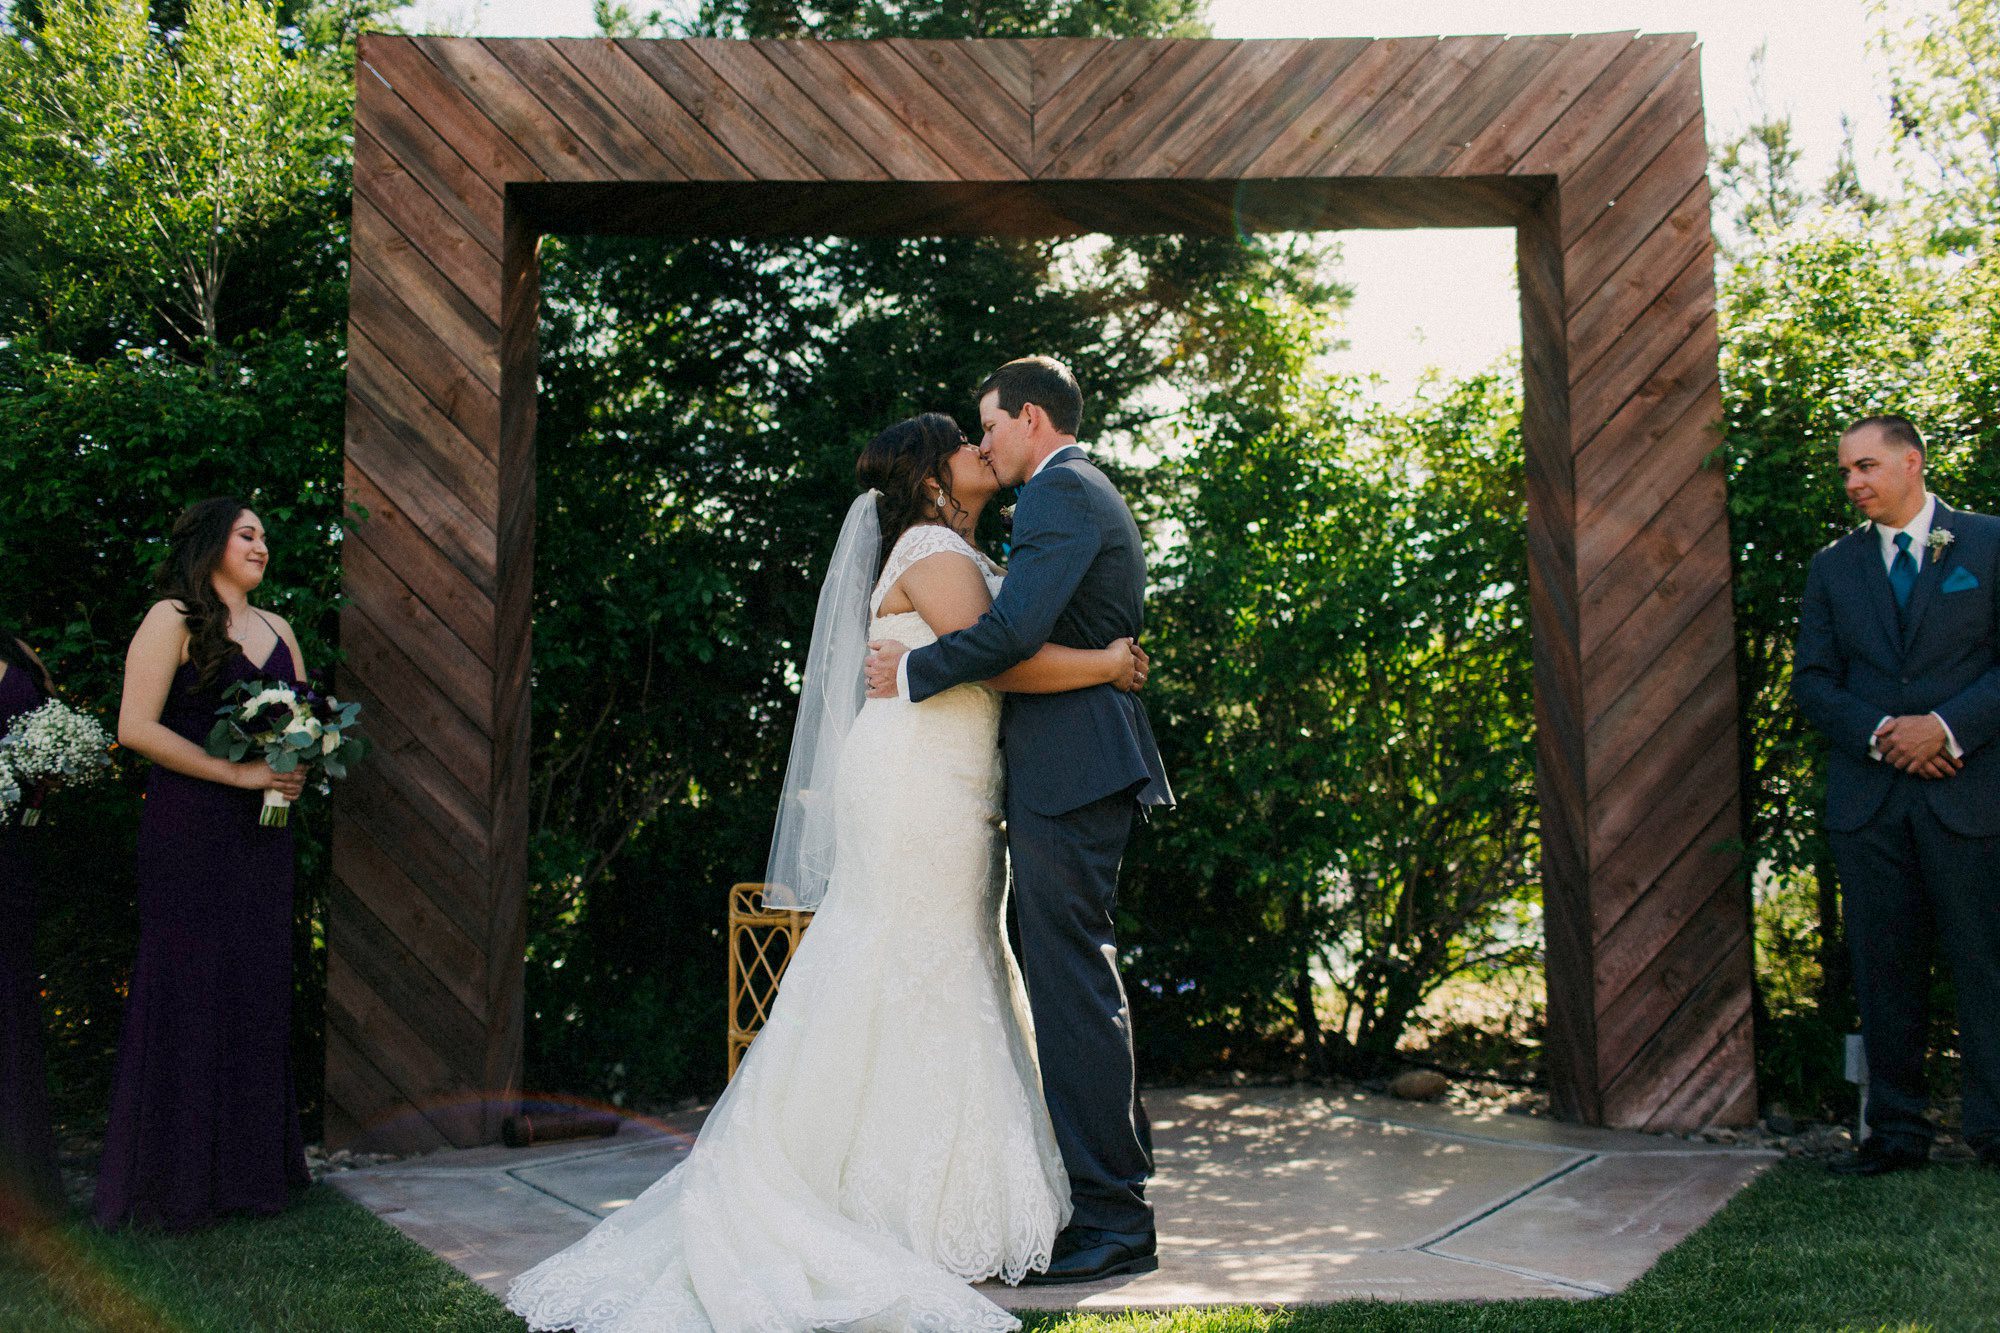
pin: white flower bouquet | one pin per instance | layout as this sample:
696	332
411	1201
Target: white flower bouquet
10	787
290	727
53	743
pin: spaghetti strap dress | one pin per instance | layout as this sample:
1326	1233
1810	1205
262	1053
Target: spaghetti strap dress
204	1120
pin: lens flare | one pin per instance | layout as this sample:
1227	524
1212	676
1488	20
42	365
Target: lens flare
74	1277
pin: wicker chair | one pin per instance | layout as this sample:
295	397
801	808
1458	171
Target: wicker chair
761	942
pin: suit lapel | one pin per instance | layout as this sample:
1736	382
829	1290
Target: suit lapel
1875	579
1928	578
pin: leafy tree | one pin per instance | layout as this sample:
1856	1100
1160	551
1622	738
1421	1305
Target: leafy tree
1346	700
1945	101
153	155
127	392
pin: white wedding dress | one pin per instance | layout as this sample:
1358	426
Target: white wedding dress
884	1141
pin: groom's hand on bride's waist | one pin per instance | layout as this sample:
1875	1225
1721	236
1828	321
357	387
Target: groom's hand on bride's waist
883	654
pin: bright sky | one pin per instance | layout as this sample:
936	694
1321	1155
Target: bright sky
1447	298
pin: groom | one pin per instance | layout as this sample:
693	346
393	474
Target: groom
1898	665
1078	766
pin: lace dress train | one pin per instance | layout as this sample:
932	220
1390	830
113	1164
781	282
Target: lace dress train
884	1141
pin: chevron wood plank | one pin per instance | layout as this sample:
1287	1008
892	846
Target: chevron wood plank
514	109
590	117
1448	66
454	117
761	150
968	150
1303	78
620	80
748	69
961	80
1434	147
1170	99
858	109
1052	63
452	182
1088	94
1501	143
451	316
1357	85
1633	76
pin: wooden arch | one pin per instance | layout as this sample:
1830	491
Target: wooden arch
1592	148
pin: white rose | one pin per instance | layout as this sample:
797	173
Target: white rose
329	741
265	697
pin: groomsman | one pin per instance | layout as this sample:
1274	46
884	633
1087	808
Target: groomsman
1898	664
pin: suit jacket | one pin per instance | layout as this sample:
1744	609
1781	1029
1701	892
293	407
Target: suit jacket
1077	577
1854	663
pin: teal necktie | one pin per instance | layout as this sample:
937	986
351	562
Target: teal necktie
1903	571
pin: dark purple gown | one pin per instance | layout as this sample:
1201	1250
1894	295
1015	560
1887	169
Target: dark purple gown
203	1117
28	1172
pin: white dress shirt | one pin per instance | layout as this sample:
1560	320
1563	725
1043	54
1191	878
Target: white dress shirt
903	662
1919	529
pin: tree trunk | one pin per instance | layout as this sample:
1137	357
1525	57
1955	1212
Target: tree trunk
1399	1001
1317	1063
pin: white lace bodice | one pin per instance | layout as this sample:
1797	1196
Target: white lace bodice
917	542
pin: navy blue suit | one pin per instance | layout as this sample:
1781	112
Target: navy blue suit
1916	856
1078	765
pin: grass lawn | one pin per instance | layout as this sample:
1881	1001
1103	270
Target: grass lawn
1797	1250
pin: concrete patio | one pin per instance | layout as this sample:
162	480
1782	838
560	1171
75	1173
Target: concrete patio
1265	1197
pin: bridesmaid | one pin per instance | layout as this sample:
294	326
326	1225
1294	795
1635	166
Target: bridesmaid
203	1116
30	1184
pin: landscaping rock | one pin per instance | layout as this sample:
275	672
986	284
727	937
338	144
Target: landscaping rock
1418	1085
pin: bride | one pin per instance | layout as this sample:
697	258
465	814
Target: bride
884	1141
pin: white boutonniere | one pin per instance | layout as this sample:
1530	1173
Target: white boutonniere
1938	540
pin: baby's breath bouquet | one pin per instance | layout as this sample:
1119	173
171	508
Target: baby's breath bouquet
290	727
54	743
10	787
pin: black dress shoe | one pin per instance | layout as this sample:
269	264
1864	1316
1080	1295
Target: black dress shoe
1086	1256
1876	1159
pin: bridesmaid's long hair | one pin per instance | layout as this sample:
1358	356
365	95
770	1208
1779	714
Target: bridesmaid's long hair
14	652
194	549
898	462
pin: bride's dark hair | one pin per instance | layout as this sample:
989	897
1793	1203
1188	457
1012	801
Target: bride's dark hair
898	462
194	549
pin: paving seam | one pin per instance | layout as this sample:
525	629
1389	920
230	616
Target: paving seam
603	1150
573	1207
1586	1288
1507	1202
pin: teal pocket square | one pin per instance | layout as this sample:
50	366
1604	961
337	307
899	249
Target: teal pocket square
1960	580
